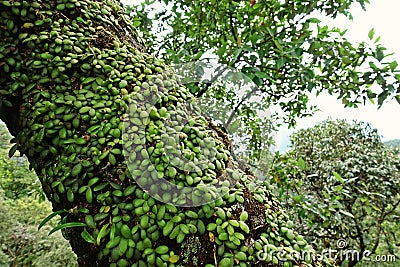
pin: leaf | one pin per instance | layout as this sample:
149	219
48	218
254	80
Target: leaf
136	23
66	225
112	232
88	80
236	54
40	136
88	237
371	33
298	198
51	216
262	75
278	45
28	25
100	235
338	188
393	65
76	170
314	20
257	81
254	38
379	54
6	103
338	177
4	92
84	210
174	259
346	213
373	66
280	62
382	97
397	98
368	209
12	150
301	163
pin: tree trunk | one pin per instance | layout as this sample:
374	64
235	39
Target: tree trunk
98	120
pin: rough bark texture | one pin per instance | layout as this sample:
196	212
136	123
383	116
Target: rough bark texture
76	84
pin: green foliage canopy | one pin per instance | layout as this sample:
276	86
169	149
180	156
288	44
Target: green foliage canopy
279	45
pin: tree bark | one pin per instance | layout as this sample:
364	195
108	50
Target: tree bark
70	73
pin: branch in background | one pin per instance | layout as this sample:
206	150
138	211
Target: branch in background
392	209
234	112
213	79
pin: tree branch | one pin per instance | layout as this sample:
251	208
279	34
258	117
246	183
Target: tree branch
213	79
234	112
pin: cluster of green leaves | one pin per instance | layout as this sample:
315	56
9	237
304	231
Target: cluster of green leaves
116	142
341	181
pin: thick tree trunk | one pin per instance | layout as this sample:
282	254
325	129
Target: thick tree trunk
75	86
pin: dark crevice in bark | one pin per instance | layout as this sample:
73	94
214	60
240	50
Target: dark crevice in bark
10	115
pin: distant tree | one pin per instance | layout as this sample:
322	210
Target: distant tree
21	243
394	143
4	138
342	182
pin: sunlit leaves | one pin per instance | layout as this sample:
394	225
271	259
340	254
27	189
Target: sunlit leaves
338	177
371	34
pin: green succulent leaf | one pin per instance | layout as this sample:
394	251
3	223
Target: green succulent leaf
66	225
51	216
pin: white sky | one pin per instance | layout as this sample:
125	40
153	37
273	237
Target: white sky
382	15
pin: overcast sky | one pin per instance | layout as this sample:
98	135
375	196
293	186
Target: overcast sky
382	15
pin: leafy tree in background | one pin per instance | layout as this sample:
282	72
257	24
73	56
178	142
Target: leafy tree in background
278	45
342	182
394	143
4	138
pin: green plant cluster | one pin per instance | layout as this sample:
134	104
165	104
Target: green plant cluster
85	89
